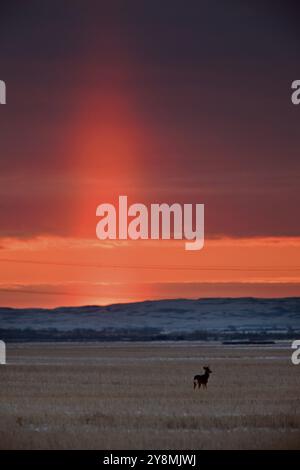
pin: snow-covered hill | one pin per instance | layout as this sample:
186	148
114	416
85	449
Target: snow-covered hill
162	319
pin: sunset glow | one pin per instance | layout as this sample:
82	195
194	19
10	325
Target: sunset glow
52	271
118	111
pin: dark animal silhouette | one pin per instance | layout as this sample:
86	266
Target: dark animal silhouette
202	379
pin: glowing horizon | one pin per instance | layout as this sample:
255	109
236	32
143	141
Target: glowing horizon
114	110
74	271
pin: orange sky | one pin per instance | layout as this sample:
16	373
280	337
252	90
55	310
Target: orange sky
52	271
135	102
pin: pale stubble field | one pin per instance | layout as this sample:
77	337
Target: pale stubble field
140	396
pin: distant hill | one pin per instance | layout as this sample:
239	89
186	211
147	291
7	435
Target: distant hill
179	319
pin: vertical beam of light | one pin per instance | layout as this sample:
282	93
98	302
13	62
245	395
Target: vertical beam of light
106	141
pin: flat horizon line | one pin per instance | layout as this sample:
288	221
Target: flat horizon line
197	299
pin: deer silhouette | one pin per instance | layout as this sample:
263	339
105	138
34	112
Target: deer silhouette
202	379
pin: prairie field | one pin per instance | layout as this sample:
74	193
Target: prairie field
140	396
